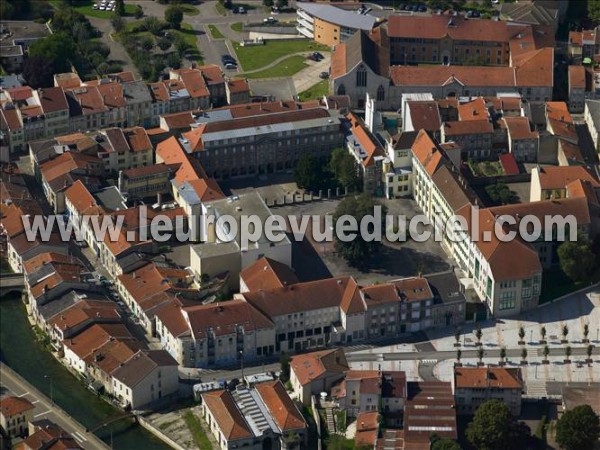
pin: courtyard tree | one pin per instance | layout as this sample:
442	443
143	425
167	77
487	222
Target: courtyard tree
568	351
521	335
524	355
578	429
576	259
480	355
355	246
284	361
586	332
546	352
343	167
565	332
439	443
174	16
120	8
589	350
478	334
503	354
543	334
491	426
458	355
457	334
309	174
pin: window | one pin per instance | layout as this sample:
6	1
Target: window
361	77
380	94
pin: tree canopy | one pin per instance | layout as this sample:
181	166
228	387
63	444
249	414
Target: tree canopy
358	251
343	167
490	428
576	259
439	443
174	16
578	429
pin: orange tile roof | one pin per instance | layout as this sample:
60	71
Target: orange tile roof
407	289
10	406
267	273
95	336
367	429
143	283
65	163
483	126
195	84
558	111
426	151
338	61
227	415
311	366
81	199
558	177
138	139
577	77
425	115
62	273
83	311
212	74
112	95
583	188
90	99
519	128
473	110
362	135
238	85
12	220
280	405
42	259
444	75
488	377
535	68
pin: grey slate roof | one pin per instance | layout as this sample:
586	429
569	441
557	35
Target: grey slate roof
338	16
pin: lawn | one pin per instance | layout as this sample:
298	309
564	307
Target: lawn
285	68
221	9
257	56
215	33
317	91
189	35
85	8
193	423
189	10
555	284
238	26
486	168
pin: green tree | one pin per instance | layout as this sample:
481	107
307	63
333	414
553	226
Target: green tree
576	259
356	250
38	71
503	353
281	4
343	167
120	8
284	361
500	193
58	48
138	12
491	426
174	16
439	443
578	429
310	174
118	23
163	43
593	10
268	3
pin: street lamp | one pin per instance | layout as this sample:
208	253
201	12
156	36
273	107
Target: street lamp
242	363
530	335
47	377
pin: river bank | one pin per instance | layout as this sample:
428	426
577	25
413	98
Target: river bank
20	350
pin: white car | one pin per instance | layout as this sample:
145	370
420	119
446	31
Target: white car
95	6
102	8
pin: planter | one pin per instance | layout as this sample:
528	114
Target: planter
543	342
457	344
589	361
478	344
567	361
545	361
501	363
585	341
523	363
521	342
480	364
457	364
564	341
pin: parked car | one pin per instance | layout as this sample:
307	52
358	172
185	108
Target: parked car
270	19
422	8
227	58
230	66
242	10
316	56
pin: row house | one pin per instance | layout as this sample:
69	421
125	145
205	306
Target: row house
397	173
577	88
127	148
584	44
550	182
147	181
523	143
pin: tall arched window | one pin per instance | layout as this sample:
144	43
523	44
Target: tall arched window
341	90
361	77
380	94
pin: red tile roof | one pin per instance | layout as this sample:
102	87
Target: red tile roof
267	273
425	115
81	199
227	415
558	177
489	377
364	138
509	164
311	366
577	77
11	406
53	99
427	153
483	126
283	410
519	128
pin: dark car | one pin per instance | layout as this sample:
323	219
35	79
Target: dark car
476	14
317	56
228	59
324	75
422	8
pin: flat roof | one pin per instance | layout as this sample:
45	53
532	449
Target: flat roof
339	16
24	29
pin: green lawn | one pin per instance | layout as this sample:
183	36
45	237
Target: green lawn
317	91
189	10
257	56
285	68
221	9
238	26
486	168
85	8
193	423
215	33
190	37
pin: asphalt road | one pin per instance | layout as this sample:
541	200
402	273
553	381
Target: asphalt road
46	409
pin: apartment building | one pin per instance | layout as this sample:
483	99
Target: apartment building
144	182
583	44
126	148
550	182
476	385
266	273
15	415
577	88
263	144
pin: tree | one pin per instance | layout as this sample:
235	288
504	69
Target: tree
578	429
543	333
576	259
38	71
491	426
478	334
500	194
174	16
586	331
163	43
568	351
565	332
524	354
589	350
118	23
284	360
439	443
58	48
268	3
147	43
308	173
593	10
457	335
480	354
503	353
120	8
458	354
343	167
281	4
546	351
353	246
138	13
521	334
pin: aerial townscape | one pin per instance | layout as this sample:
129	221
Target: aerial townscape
300	225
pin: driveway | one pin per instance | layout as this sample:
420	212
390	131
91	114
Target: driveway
309	76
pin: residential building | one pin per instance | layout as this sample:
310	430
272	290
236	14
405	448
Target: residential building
145	182
577	89
531	13
15	415
44	435
18	36
316	372
523	143
367	430
147	377
476	385
583	44
592	119
266	273
237	91
126	148
331	25
550	182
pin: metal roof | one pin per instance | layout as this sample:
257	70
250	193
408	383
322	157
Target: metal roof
339	16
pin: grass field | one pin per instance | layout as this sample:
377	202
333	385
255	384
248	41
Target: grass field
193	423
255	57
214	32
317	91
190	37
221	9
87	10
285	68
238	26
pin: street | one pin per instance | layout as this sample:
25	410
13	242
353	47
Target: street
46	409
